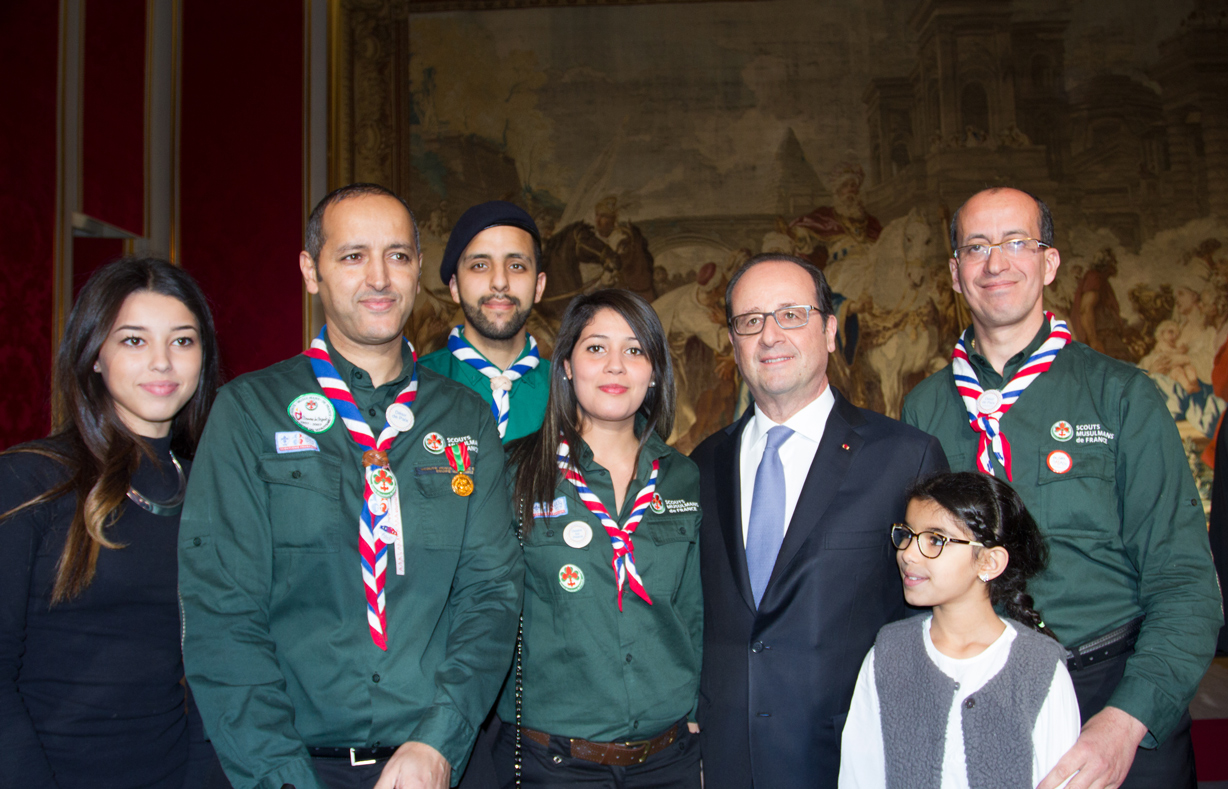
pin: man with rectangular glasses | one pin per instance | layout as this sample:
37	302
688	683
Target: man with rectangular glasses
1089	445
798	574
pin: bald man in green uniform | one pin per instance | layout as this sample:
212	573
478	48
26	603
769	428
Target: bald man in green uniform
492	265
349	577
1091	449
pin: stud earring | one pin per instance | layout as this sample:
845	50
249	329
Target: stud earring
651	384
97	368
984	577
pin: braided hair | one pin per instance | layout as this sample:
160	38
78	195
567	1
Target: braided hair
995	515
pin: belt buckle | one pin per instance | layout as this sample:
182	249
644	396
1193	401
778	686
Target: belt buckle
642	745
359	763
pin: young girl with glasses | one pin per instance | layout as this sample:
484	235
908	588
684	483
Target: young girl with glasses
962	697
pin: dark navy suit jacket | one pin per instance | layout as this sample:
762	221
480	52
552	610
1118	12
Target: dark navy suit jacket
777	681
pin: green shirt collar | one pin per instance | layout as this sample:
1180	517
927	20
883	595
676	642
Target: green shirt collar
359	380
986	374
654	448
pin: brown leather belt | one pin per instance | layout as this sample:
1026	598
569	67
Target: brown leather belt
614	754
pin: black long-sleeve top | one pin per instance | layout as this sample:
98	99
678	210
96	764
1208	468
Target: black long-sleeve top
90	691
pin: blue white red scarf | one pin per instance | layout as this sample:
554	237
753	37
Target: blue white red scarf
987	407
373	537
620	536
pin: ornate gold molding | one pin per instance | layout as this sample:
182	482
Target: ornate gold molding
370	109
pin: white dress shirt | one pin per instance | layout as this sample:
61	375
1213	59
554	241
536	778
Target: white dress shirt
862	760
797	453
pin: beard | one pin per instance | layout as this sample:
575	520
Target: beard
488	328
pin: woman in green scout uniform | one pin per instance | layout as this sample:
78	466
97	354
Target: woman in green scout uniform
608	516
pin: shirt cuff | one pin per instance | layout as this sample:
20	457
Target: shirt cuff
1149	705
445	730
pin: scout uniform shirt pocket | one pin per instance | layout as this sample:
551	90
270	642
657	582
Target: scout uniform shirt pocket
304	501
563	577
663	563
1077	486
434	507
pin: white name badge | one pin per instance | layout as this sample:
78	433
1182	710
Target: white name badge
294	441
989	401
577	534
400	416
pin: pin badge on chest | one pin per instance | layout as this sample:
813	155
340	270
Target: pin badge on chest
577	534
989	401
400	416
382	481
313	412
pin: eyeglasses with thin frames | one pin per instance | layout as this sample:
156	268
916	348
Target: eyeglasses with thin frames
930	543
1013	248
794	317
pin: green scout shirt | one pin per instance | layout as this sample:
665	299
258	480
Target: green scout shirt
591	671
1124	523
529	392
276	643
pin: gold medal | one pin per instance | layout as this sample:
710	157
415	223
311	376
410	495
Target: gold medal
462	485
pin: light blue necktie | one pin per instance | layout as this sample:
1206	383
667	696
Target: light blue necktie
766	529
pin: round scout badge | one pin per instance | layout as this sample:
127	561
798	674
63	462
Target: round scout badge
1061	430
382	482
1059	462
571	578
458	457
989	401
577	534
658	506
313	412
400	416
434	443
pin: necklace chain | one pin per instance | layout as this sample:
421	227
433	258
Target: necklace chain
172	506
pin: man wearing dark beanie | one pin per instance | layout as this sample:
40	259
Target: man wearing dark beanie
492	265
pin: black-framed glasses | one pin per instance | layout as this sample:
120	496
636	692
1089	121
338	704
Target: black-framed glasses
930	543
794	317
1013	248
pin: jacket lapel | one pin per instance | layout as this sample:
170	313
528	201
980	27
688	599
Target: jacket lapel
726	459
827	471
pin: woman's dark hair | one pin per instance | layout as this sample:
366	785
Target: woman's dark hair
995	515
100	452
536	456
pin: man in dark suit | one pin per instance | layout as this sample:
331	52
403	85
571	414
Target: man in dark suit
798	498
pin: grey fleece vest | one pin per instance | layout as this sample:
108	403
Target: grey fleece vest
915	697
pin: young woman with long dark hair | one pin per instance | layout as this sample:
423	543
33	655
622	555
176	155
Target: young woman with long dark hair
608	515
91	676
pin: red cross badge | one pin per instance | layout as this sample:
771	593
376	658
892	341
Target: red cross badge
571	578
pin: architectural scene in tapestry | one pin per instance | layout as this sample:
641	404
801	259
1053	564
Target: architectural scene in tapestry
659	145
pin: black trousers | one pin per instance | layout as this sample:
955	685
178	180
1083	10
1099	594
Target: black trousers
340	774
1172	764
676	767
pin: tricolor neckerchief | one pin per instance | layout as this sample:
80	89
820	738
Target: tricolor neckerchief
986	409
372	545
620	536
500	380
